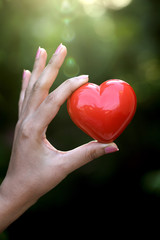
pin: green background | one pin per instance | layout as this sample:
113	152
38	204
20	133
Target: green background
106	39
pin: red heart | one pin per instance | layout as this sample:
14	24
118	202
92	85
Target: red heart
103	112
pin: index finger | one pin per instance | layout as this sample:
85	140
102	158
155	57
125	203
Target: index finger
51	105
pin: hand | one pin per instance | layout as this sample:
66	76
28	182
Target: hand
36	166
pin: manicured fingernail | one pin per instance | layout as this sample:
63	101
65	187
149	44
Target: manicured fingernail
24	74
58	49
83	76
111	148
38	53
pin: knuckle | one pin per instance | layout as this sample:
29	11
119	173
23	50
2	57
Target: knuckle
51	61
54	63
91	155
27	128
37	86
52	98
18	126
70	83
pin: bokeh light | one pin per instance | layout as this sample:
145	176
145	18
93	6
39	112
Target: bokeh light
88	2
116	4
111	4
66	6
71	67
68	34
94	10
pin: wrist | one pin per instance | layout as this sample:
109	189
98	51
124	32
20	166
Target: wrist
13	202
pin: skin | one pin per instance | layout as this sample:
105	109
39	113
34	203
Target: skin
35	166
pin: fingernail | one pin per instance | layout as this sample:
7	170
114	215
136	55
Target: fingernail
38	53
111	148
24	74
83	76
58	49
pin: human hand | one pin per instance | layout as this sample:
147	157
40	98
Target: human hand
36	166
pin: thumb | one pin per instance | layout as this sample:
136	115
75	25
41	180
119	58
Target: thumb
86	153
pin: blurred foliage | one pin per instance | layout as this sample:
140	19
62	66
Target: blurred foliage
105	39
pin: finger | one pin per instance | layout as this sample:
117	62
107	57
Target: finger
25	81
39	65
86	153
41	87
51	105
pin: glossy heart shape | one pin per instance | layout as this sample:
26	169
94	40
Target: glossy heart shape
103	112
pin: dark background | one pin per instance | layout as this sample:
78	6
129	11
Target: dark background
105	39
